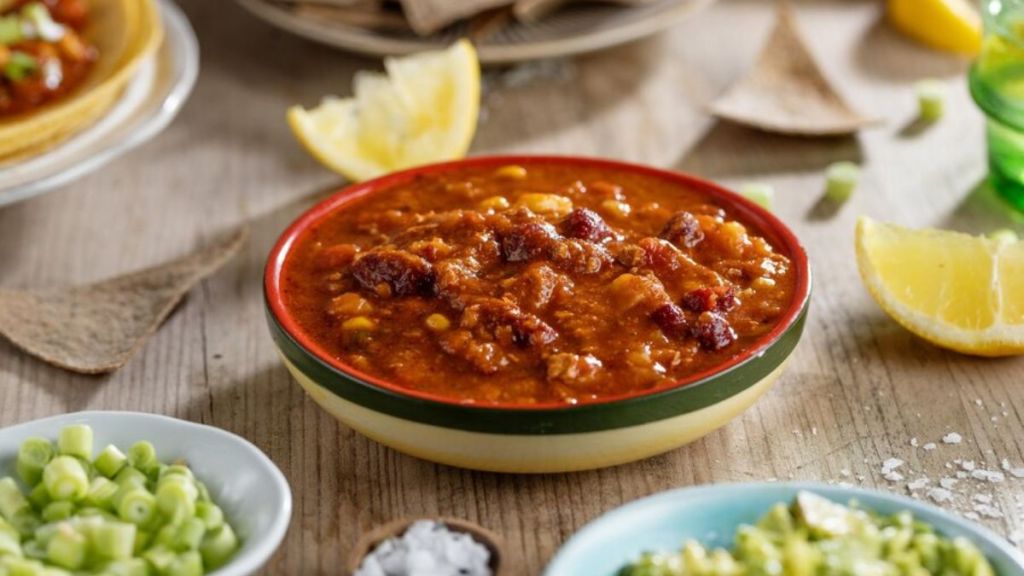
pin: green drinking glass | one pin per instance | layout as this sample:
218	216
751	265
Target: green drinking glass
997	85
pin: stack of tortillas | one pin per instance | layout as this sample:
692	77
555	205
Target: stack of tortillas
426	17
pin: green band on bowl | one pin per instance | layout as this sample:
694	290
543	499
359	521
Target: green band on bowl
568	420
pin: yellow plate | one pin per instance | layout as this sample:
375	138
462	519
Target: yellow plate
125	32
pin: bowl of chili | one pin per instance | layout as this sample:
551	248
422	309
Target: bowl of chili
536	313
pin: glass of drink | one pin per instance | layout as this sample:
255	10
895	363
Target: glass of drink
997	85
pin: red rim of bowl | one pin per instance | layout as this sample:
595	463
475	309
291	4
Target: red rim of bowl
780	236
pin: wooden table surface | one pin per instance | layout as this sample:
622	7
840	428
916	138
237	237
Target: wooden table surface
859	388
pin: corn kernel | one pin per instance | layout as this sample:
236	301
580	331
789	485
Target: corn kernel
438	322
545	203
350	304
494	203
761	283
512	172
616	208
358	323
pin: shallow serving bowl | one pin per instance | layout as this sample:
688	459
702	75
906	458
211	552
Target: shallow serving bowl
540	438
252	491
711	515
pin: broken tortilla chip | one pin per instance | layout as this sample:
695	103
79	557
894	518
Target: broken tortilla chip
787	92
96	328
428	16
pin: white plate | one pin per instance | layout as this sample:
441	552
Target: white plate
249	488
574	29
150	101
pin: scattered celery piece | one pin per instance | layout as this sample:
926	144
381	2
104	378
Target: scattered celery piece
841	180
760	193
110	461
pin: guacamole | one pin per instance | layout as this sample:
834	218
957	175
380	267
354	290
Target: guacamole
817	537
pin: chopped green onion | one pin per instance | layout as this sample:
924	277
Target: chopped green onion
113	540
20	66
131	567
101	493
760	193
33	455
10	540
12	501
189	535
177	470
210	514
67	548
75	440
59	510
66	479
137	506
841	179
187	564
39	496
23	567
160	557
1004	235
11	30
142	455
110	461
176	497
218	546
931	99
129	477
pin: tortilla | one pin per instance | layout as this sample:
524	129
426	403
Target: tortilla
125	32
96	328
787	92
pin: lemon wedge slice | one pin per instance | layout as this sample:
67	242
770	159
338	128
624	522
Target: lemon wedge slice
954	290
423	110
952	25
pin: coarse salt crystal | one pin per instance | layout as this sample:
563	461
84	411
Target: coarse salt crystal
427	548
952	438
891	464
940	495
930	446
988	511
988	476
948	483
913	442
917	484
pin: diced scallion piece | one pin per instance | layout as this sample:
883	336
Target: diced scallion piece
218	546
176	497
11	30
210	514
931	99
12	501
66	479
760	193
142	455
101	493
841	180
110	461
58	510
75	441
20	66
33	455
67	548
1004	235
113	540
137	506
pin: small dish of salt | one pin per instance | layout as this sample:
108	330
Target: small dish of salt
427	547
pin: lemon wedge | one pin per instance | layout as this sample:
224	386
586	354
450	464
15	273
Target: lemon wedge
423	110
952	25
961	292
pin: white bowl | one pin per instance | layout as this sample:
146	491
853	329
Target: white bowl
249	488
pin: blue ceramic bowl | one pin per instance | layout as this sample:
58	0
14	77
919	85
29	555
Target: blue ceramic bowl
711	514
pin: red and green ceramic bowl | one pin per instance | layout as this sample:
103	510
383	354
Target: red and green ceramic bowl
537	438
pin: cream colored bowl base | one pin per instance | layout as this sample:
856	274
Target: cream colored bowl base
542	453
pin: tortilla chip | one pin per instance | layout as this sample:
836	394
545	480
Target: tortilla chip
428	16
96	328
529	11
787	92
125	32
372	17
